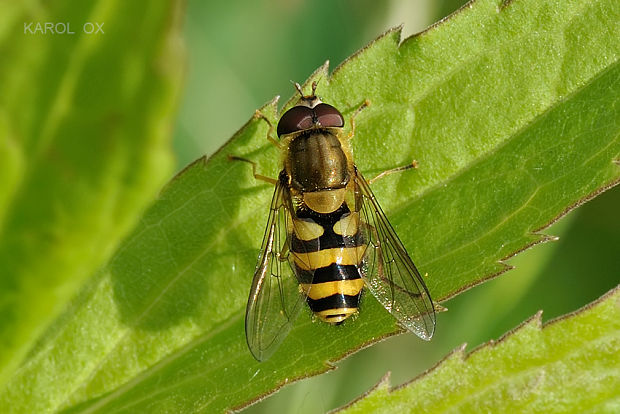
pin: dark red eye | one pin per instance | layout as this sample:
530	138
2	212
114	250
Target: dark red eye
328	116
295	119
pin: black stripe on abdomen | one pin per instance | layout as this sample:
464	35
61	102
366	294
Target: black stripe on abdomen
336	301
329	239
329	273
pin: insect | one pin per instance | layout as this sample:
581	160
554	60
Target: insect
326	236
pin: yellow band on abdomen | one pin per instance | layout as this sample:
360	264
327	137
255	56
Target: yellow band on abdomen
335	316
323	258
325	289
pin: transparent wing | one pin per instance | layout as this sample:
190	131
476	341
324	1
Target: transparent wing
275	298
388	270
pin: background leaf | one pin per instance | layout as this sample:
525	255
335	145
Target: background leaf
572	364
461	98
84	131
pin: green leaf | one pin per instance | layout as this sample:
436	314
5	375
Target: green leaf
571	364
85	115
512	113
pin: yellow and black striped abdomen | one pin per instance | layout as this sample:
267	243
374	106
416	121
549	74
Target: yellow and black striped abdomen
327	252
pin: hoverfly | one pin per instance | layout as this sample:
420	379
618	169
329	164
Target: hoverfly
326	236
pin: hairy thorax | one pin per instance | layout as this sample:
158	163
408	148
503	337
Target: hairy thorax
317	167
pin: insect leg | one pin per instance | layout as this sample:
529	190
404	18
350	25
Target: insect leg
414	164
283	254
364	105
257	176
259	115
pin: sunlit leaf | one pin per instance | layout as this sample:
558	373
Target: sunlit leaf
87	97
512	113
569	365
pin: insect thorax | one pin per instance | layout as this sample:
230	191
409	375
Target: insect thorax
317	166
317	162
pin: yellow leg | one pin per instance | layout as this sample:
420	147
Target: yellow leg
414	164
257	176
259	115
364	105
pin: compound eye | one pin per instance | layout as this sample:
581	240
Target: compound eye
295	119
328	116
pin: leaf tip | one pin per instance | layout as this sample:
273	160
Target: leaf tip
533	321
384	382
439	308
460	351
393	34
382	385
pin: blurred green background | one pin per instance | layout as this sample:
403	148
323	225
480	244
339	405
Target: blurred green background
241	54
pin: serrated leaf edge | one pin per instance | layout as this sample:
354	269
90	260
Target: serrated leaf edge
460	352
